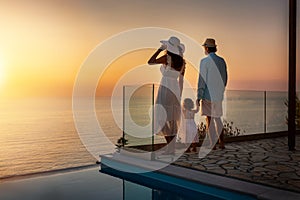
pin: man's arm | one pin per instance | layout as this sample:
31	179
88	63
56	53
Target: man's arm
201	81
226	75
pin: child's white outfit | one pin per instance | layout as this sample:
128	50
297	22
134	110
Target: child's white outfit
188	129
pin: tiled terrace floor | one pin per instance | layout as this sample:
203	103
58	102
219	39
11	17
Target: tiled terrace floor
265	161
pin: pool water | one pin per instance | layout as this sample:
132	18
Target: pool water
156	185
108	184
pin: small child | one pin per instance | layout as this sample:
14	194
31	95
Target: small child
188	125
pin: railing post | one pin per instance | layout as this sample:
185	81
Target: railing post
123	135
265	111
292	74
152	145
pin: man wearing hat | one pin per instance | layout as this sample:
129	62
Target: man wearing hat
210	94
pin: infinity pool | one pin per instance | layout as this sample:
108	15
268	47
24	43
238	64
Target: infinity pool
154	186
92	184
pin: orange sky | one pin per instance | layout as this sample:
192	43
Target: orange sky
130	61
43	44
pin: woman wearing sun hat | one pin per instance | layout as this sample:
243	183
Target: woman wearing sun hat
167	109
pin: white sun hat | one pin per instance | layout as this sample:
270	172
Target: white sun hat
173	45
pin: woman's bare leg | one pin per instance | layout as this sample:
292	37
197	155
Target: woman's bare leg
170	144
194	145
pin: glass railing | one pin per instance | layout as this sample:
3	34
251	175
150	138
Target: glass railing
276	111
251	112
138	114
245	109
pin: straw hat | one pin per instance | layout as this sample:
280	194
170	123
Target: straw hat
209	42
173	45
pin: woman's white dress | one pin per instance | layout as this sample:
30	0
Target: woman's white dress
167	105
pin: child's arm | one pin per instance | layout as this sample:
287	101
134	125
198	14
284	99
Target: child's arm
197	108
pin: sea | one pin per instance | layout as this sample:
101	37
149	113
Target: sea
40	135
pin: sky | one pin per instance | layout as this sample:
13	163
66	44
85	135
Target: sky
44	43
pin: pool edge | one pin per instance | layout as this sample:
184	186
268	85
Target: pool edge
226	183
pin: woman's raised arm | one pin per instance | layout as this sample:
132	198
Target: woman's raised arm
161	60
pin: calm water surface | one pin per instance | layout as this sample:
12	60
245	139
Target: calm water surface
39	135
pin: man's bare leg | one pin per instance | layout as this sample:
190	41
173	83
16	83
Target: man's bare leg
211	131
219	125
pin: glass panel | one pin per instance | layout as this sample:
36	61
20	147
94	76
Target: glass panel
276	111
245	109
138	114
